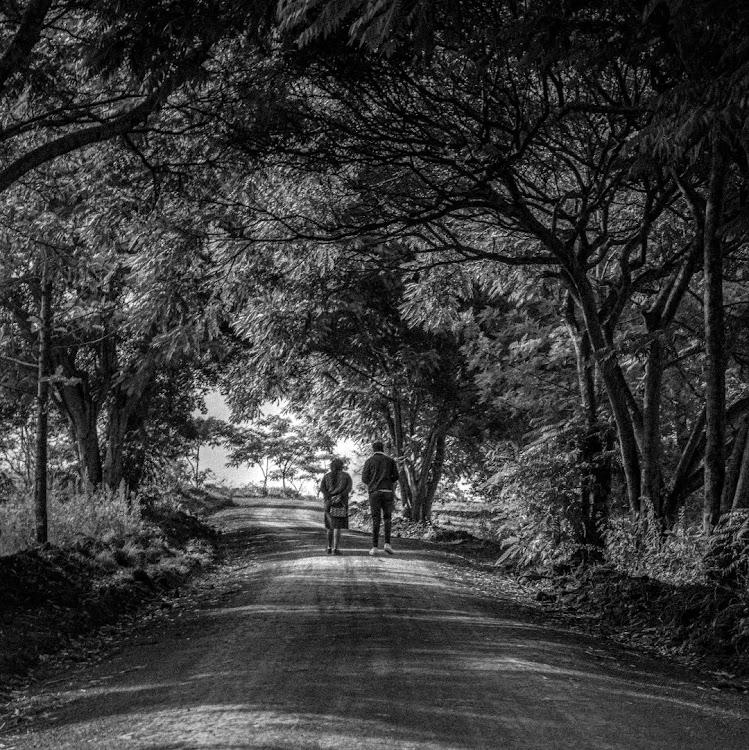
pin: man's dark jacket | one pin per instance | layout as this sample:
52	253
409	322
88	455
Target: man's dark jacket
380	473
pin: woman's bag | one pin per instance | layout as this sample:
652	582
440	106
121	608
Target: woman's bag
337	506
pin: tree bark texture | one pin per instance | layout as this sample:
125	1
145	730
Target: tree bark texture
616	392
715	364
42	405
595	465
82	415
651	449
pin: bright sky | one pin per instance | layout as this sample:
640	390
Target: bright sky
215	458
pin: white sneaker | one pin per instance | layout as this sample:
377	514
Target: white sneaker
373	551
389	549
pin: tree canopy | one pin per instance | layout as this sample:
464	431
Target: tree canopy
460	226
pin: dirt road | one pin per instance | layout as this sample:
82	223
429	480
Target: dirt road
286	647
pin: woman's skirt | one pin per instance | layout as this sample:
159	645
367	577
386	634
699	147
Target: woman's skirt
335	522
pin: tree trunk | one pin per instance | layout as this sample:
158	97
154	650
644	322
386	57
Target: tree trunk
596	485
595	468
411	490
435	473
430	465
715	377
123	463
42	405
616	391
128	413
424	463
651	449
82	416
740	497
735	466
397	438
688	462
405	492
114	462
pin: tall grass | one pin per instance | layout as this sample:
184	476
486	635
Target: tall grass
16	524
87	514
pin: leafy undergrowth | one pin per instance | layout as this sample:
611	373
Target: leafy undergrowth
704	625
52	595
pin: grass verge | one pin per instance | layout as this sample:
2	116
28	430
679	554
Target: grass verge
702	625
51	595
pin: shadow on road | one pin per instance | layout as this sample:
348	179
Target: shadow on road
310	650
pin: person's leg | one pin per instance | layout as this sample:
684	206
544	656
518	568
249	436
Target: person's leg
387	512
376	508
331	533
336	539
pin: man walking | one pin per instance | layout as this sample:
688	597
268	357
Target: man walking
380	474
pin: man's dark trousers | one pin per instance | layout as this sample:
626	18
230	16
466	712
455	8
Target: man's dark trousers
381	504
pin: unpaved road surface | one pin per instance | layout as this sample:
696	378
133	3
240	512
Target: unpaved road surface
286	647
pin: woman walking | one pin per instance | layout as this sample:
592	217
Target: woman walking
335	488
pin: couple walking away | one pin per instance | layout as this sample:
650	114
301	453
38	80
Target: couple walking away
380	474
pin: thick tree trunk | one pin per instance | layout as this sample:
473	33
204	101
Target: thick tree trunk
409	489
430	465
651	448
114	463
421	469
398	441
42	406
82	416
595	479
128	413
715	378
616	392
596	485
435	475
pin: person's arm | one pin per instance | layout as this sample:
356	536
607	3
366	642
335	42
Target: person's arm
348	487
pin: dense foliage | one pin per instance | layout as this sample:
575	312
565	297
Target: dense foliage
509	237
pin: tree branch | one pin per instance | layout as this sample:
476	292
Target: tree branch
17	53
119	125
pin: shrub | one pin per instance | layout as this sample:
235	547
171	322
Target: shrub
100	514
106	560
727	553
16	525
93	514
538	490
642	548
